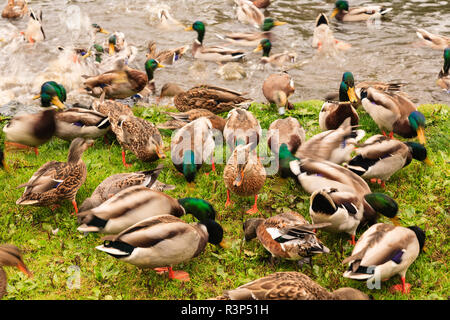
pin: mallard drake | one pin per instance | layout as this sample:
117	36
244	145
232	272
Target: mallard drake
117	182
289	285
277	88
434	41
10	256
383	251
340	197
244	174
139	136
394	112
323	38
252	39
81	123
52	93
165	56
123	81
180	119
444	77
380	157
97	29
333	114
262	4
127	207
212	98
15	9
56	181
34	31
191	146
342	12
30	130
287	235
211	53
248	13
276	60
332	145
163	241
242	127
288	131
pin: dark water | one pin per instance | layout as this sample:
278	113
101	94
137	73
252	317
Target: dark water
384	52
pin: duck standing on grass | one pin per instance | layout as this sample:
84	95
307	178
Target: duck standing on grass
384	251
163	241
56	181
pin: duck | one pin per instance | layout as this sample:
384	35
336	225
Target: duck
167	22
262	4
30	130
287	235
332	145
139	136
213	98
3	163
180	119
56	181
117	182
252	39
166	57
242	127
384	251
10	256
276	60
277	88
169	89
162	242
287	131
333	114
34	31
123	81
81	123
380	157
323	38
289	285
244	174
111	108
395	113
191	146
98	29
52	94
343	13
15	9
248	13
434	41
340	197
444	77
127	207
211	53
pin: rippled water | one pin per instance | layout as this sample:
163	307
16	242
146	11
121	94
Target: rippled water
385	52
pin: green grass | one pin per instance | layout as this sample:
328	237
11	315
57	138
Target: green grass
422	193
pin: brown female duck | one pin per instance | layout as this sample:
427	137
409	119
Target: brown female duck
10	256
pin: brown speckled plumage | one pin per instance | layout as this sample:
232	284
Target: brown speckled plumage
212	98
15	9
183	118
288	286
56	181
165	56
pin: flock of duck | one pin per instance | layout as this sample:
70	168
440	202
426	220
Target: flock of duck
142	223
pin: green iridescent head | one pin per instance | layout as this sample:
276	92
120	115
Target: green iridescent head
52	93
446	60
417	122
189	166
150	66
348	78
199	208
200	28
383	204
265	45
418	151
97	28
341	5
269	23
285	156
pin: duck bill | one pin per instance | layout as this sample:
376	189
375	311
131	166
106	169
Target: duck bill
161	65
87	55
103	31
335	12
428	162
279	23
352	95
160	152
223	244
258	48
37	97
21	266
112	49
188	28
240	177
58	103
421	135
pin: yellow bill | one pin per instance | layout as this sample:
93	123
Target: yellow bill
279	23
352	95
258	48
335	12
160	65
88	54
188	28
428	161
37	97
224	244
103	31
112	49
55	101
421	135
